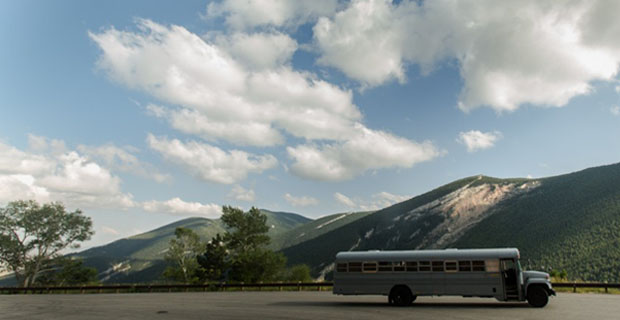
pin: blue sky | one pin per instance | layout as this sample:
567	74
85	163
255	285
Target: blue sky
144	112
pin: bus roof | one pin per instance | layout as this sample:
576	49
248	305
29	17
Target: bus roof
446	254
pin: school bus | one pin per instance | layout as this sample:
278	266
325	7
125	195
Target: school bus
405	275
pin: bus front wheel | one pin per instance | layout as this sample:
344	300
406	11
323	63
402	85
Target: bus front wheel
537	297
401	296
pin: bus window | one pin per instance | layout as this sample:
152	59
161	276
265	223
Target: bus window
385	266
399	265
424	266
437	266
341	267
412	266
451	266
464	266
492	265
369	267
355	267
477	265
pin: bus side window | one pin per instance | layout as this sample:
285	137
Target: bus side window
478	265
399	265
369	267
341	267
412	266
464	266
385	266
492	265
355	267
424	266
451	266
437	266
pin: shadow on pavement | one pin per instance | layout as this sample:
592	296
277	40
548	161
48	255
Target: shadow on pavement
447	305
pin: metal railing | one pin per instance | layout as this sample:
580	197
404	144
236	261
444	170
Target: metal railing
221	286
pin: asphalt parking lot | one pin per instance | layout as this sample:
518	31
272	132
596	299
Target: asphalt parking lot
294	305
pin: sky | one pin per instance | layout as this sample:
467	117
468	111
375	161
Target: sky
141	113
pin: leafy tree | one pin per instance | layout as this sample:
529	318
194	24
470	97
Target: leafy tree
182	253
299	272
33	235
246	240
66	272
214	261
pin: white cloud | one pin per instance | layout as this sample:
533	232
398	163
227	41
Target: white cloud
617	89
242	14
54	174
302	201
509	53
344	200
476	140
211	163
376	202
215	90
615	110
259	51
123	159
368	149
178	207
242	194
221	95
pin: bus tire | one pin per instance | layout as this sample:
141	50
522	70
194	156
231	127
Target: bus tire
400	296
537	296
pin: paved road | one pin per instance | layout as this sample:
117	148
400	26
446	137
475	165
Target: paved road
294	305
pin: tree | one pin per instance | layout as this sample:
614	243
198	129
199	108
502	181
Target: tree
182	253
246	239
214	261
67	272
299	272
33	235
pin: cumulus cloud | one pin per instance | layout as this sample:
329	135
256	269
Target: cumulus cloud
615	110
219	92
259	50
242	194
178	207
211	163
214	90
476	140
367	149
53	173
124	160
376	202
509	53
243	14
301	201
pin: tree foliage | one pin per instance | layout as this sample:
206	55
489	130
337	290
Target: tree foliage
33	235
214	262
182	253
241	253
67	272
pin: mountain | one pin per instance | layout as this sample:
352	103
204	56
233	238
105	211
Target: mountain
140	258
314	228
569	222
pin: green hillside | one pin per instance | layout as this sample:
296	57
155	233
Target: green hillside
314	229
570	222
567	222
140	258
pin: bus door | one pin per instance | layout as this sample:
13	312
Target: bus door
510	279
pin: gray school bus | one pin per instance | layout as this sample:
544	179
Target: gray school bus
404	275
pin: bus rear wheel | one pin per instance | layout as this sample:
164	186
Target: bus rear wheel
401	296
537	297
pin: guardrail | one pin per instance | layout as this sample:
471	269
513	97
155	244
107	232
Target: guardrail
220	286
576	285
